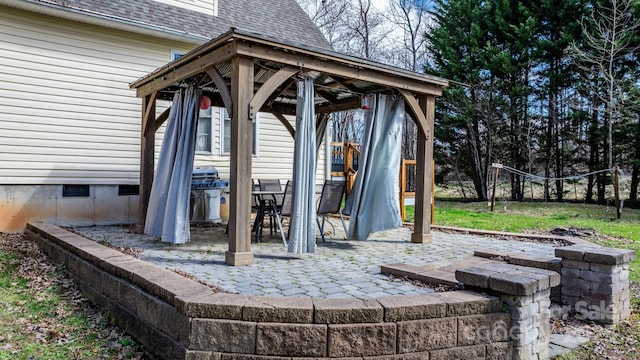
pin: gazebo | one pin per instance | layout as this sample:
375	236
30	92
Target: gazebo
249	73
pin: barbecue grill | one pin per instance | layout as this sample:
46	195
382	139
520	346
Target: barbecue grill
206	188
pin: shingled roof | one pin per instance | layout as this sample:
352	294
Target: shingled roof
280	19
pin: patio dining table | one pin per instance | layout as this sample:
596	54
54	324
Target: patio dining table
264	198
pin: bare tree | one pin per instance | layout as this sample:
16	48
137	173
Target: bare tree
356	28
411	21
365	31
353	27
412	18
609	39
329	16
348	126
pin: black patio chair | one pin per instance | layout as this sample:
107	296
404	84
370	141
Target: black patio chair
270	203
330	202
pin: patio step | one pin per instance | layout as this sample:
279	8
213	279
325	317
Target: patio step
539	262
432	274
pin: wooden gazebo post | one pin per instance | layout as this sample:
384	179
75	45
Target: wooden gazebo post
239	252
147	144
423	111
424	155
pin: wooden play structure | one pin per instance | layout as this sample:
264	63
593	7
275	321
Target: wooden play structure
344	164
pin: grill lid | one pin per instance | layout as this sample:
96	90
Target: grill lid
204	177
205	172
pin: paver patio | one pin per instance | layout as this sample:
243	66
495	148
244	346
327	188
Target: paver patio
338	269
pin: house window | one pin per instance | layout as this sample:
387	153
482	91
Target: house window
204	132
225	137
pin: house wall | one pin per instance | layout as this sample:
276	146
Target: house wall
67	116
203	6
274	157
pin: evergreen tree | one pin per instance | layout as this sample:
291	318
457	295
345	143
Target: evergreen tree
559	26
513	26
468	109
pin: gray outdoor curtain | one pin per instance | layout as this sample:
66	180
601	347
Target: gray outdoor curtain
374	201
302	230
168	213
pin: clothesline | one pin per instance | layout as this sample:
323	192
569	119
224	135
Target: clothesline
615	171
543	178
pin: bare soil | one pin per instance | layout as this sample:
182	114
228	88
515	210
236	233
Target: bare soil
619	342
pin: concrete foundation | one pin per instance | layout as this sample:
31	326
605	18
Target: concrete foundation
20	204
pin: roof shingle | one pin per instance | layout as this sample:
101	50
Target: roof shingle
281	19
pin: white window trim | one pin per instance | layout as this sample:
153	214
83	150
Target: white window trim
222	113
212	128
256	140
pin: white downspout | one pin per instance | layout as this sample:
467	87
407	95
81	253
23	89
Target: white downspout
327	149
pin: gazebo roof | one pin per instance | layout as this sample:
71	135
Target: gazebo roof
180	20
340	79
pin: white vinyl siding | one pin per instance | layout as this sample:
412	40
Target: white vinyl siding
204	6
275	156
67	114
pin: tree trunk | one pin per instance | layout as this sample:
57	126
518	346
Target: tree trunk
606	157
475	143
558	143
635	174
635	180
593	155
516	193
601	185
548	152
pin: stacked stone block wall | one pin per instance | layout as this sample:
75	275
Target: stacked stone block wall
177	318
525	292
538	262
595	282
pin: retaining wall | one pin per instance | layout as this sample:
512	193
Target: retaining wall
177	318
595	282
595	279
525	292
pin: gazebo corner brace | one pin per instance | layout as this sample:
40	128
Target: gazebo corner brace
263	93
